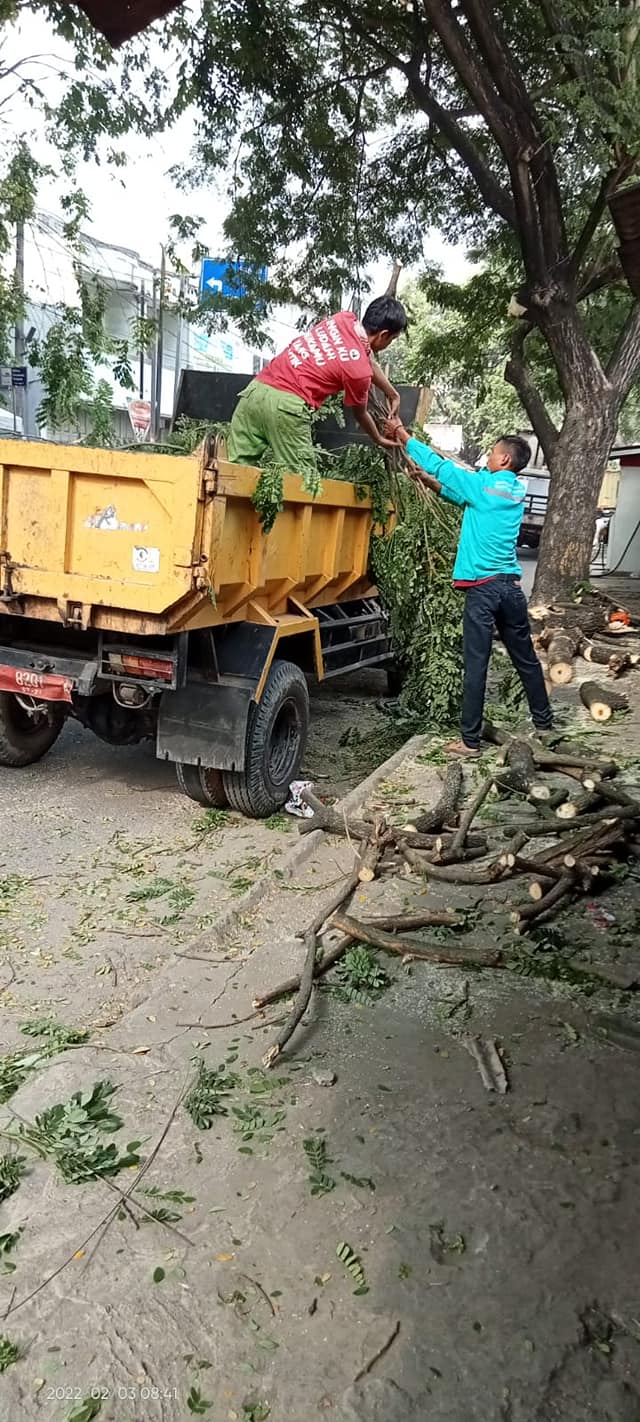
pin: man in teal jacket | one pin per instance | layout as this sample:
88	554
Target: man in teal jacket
486	570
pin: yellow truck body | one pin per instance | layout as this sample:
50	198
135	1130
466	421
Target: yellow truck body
140	595
143	543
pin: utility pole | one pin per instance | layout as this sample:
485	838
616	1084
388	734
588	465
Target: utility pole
19	341
142	312
178	360
157	396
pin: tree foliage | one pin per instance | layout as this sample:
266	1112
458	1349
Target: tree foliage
66	357
352	129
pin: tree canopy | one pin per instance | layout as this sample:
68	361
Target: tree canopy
346	131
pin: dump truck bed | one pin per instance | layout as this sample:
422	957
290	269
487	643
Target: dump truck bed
148	543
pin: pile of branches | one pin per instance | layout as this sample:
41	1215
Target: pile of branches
593	823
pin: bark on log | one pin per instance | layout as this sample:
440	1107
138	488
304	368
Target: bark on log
447	873
520	772
585	618
601	701
437	842
545	759
444	811
602	654
526	914
562	650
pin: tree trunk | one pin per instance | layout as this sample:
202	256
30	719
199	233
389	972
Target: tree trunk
577	469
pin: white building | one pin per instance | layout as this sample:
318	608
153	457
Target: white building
131	285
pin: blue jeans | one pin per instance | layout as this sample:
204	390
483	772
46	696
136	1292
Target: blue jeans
500	603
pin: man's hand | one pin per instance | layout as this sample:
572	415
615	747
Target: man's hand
394	404
395	430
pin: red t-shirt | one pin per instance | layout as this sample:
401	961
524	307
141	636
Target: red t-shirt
332	356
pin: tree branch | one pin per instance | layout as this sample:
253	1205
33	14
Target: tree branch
518	375
594	217
495	196
519	142
536	170
624	364
606	276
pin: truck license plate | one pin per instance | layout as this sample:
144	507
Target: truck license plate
44	686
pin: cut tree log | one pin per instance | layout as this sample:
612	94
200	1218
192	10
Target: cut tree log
391	923
586	618
523	916
562	648
617	662
444	811
520	772
601	701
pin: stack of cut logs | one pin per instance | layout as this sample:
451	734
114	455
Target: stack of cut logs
592	821
579	630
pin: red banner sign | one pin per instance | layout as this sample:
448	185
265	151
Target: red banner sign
44	686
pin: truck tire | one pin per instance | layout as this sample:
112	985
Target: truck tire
24	736
202	784
276	740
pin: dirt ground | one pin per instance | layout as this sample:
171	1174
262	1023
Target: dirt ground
434	1251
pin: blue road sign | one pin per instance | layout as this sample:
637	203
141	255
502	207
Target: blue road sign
221	278
19	376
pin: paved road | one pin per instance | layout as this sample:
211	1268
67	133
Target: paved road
528	559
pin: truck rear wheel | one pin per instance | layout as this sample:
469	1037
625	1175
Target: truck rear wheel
27	732
276	740
202	784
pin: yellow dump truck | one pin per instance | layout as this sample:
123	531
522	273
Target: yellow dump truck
139	595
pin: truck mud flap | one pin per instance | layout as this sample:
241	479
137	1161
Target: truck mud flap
205	723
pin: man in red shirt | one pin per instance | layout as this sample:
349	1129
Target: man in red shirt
334	357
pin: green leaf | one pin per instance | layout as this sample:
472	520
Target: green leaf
9	1352
196	1403
86	1410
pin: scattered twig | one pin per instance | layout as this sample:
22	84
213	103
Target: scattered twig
484	1051
259	1289
380	1353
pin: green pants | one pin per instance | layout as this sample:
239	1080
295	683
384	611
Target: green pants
265	418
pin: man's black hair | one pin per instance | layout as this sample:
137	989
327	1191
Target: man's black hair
519	451
385	314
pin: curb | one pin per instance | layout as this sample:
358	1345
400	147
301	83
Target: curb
305	847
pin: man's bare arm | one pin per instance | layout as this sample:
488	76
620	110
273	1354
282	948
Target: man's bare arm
369	426
380	380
